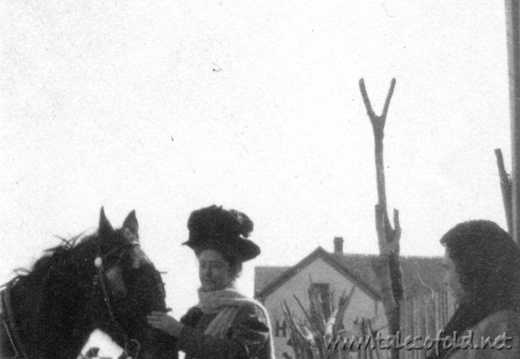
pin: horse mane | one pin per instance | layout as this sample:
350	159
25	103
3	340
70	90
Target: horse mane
55	256
62	297
62	277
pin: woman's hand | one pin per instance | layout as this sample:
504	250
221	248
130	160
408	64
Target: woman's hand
164	322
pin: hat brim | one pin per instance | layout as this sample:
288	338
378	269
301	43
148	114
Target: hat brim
242	249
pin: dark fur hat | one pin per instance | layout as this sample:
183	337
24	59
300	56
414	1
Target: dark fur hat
223	230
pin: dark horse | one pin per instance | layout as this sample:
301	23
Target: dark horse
100	281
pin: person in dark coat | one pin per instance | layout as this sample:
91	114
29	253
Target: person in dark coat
482	265
225	323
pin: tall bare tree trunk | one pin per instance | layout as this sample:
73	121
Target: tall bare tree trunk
512	8
386	265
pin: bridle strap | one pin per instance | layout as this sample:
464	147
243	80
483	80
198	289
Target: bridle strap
106	297
12	330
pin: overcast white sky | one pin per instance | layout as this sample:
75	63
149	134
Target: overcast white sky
168	107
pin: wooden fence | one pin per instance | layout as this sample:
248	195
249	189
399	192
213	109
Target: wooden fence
423	317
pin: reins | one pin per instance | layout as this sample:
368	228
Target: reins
7	320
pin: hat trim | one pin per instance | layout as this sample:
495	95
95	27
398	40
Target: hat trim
244	249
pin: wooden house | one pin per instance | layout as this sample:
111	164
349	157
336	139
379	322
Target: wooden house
423	278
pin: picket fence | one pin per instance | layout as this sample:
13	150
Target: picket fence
424	316
421	317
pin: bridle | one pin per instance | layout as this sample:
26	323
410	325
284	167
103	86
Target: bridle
132	347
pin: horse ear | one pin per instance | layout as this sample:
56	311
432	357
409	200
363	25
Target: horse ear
104	224
132	224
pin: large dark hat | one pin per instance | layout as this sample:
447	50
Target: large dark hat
223	230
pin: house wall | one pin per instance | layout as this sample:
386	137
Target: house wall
320	271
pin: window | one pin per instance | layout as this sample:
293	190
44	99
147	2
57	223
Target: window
322	289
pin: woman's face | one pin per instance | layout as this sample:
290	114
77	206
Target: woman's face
214	271
452	278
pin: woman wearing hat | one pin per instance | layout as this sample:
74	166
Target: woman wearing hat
225	323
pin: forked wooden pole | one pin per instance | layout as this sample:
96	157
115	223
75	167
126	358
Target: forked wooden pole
386	265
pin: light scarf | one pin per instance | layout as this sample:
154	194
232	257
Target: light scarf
227	303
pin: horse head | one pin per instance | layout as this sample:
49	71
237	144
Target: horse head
127	287
99	281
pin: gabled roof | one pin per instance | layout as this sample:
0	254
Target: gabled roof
286	273
421	275
265	275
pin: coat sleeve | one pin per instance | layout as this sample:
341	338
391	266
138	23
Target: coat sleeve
503	330
246	338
